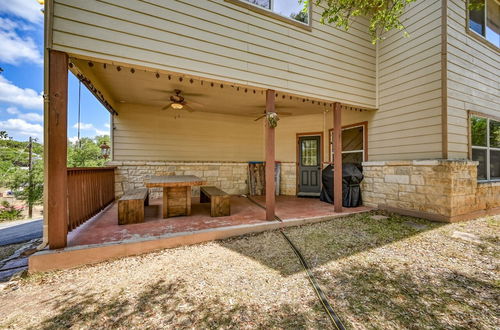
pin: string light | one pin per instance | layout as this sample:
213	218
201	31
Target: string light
212	84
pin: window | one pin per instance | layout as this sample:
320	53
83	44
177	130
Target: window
485	21
485	140
353	144
309	152
287	8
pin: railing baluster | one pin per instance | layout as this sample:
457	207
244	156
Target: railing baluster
90	190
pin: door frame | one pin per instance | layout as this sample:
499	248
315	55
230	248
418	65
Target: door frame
297	156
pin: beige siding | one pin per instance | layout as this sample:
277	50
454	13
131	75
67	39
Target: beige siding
473	79
147	134
219	40
408	122
144	133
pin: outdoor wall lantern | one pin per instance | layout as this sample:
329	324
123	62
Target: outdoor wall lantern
105	150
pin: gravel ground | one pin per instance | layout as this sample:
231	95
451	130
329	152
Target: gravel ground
397	272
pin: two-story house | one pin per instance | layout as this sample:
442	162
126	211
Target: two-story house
188	83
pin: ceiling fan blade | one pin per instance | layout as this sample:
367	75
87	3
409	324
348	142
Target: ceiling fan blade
167	106
192	94
160	90
260	117
281	113
188	108
195	104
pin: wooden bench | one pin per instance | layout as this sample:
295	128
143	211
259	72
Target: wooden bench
219	201
131	206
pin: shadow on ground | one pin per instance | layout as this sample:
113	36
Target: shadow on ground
327	241
393	299
165	305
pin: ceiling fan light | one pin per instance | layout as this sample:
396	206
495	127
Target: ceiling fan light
177	106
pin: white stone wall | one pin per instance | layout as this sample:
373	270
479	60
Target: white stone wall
228	176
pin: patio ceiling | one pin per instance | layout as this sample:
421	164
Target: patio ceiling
127	85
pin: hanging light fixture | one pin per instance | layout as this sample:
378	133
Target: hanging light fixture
177	106
105	150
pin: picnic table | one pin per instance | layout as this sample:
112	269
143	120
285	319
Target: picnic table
176	193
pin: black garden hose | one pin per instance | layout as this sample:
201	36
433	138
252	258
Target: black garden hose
337	323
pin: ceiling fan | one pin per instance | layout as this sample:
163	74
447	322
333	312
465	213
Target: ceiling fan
178	102
262	114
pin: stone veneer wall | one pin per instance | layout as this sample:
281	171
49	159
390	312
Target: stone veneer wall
444	190
228	176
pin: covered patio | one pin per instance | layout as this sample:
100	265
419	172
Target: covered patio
221	129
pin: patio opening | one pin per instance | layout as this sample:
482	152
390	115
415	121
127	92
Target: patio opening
167	125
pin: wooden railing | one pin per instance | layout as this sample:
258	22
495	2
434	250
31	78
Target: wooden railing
90	190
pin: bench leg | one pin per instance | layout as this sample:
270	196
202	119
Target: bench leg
165	203
130	212
204	198
188	200
220	206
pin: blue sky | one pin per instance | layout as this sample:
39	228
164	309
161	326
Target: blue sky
21	82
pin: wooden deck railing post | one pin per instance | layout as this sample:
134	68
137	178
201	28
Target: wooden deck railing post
270	159
56	208
337	161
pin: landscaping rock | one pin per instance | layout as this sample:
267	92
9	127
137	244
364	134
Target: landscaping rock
417	226
379	217
466	236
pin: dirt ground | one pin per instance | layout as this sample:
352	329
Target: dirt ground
391	273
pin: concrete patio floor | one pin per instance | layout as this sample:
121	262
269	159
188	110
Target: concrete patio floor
104	228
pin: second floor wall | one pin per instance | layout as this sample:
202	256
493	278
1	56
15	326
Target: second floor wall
219	39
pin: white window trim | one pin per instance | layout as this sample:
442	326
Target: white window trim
487	148
349	151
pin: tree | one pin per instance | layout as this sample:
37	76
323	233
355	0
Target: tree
27	186
4	135
86	152
14	170
383	15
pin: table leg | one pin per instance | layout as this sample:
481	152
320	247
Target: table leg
188	200
165	203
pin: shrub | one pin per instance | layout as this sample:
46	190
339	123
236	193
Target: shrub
10	212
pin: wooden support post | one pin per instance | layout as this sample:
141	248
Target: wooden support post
337	161
56	141
270	159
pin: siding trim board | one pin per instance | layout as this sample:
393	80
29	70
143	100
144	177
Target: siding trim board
444	77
